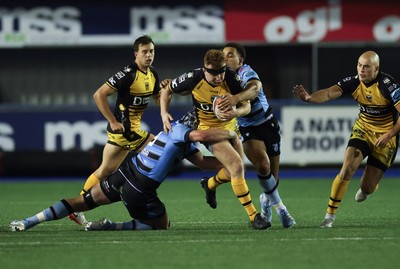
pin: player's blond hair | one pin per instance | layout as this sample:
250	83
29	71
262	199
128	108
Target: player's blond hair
215	58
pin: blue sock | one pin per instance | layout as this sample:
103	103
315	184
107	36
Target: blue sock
141	226
130	225
56	211
270	188
31	221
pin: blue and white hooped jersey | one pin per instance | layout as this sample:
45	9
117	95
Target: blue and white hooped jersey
164	152
260	109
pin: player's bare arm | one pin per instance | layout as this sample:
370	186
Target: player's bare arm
252	89
100	97
164	82
205	162
165	98
156	99
320	96
382	141
241	109
211	135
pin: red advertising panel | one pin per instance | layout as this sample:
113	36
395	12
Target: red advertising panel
312	21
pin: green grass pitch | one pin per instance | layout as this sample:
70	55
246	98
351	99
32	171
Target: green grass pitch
366	235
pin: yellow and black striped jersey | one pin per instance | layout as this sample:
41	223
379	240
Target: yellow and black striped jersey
134	89
376	100
203	95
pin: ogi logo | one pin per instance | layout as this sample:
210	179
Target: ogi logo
308	26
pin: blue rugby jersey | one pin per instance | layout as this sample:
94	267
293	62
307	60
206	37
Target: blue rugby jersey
260	109
164	152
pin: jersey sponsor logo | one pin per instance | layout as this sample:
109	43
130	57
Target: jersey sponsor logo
174	83
180	79
395	94
249	74
276	147
386	81
392	87
112	81
389	155
374	111
205	107
238	78
127	69
120	75
138	100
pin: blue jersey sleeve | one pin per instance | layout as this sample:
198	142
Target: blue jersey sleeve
247	73
180	133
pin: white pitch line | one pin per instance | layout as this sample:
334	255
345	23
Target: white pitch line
200	241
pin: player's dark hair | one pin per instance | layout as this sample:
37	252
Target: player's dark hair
239	48
143	40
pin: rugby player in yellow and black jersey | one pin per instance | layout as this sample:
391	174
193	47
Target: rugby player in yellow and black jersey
375	132
204	84
135	85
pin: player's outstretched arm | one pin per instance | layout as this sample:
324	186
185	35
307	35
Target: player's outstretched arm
319	96
211	135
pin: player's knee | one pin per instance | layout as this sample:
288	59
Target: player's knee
346	174
236	168
263	168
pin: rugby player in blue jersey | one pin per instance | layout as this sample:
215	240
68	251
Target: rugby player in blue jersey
137	179
261	138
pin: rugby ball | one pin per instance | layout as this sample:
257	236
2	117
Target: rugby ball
216	101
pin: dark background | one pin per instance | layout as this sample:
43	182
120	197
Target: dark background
68	76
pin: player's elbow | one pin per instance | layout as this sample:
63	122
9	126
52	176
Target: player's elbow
96	96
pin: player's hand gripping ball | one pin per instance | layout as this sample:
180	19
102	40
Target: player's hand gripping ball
220	114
